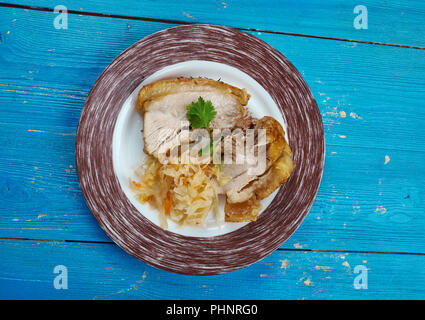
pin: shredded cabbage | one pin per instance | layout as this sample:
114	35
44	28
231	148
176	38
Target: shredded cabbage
184	193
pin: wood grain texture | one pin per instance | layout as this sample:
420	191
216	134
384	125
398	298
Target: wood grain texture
104	271
360	82
395	22
364	91
379	210
379	90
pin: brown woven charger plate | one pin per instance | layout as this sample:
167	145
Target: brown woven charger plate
171	251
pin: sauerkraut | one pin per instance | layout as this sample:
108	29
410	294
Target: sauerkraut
184	193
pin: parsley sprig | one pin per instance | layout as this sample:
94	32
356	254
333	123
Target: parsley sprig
200	114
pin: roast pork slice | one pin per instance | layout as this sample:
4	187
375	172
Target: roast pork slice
163	105
243	183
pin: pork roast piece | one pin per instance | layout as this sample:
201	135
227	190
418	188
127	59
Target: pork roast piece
163	105
243	184
244	190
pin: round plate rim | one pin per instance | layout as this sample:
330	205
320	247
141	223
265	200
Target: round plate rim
140	237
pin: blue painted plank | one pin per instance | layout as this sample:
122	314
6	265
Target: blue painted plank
397	22
378	210
362	93
361	99
103	271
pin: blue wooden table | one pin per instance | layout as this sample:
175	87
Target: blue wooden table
364	238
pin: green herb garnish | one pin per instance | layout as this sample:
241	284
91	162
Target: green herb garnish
200	114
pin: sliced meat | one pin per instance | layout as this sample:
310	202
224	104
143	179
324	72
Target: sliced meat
279	172
260	189
242	211
240	171
243	183
163	105
238	189
275	137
